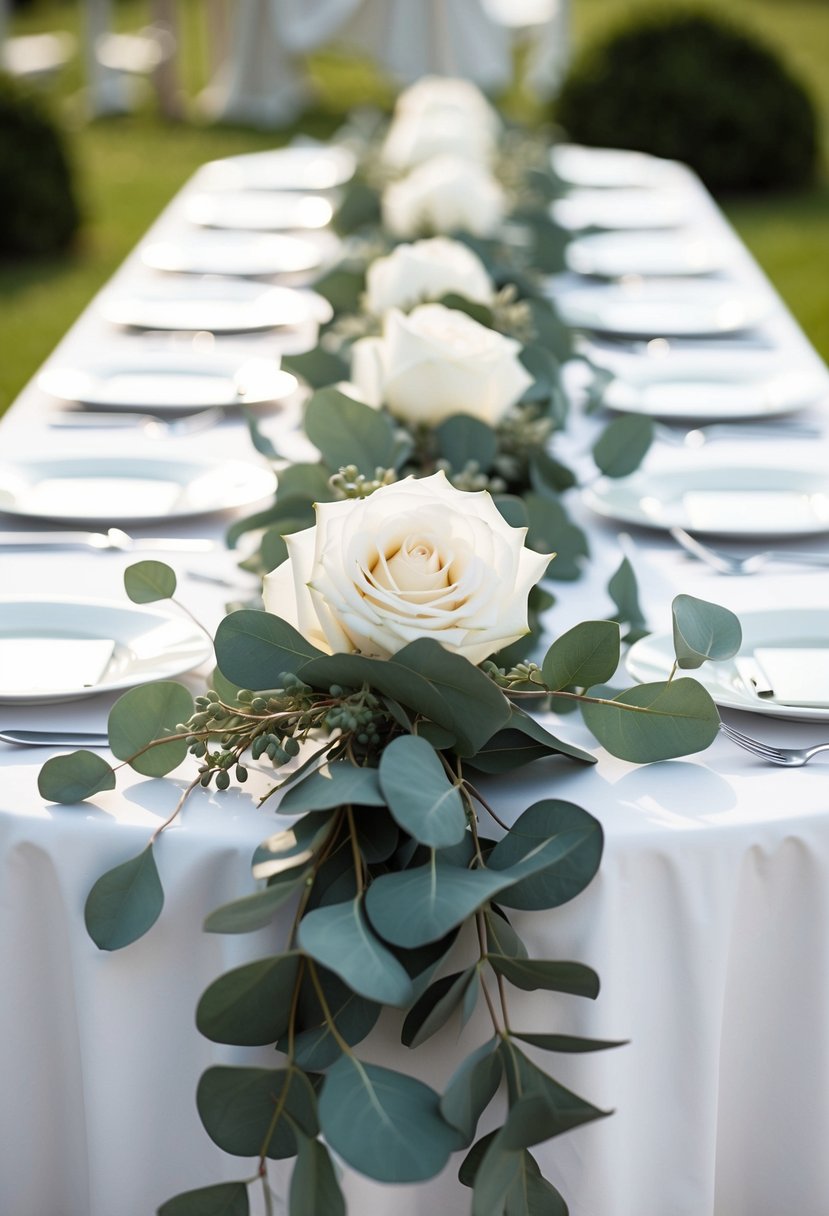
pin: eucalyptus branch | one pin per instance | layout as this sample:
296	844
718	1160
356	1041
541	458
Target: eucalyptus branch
478	796
185	795
482	949
326	1010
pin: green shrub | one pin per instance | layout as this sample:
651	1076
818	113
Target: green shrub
692	86
38	211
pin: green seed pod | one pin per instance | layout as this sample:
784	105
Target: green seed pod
222	780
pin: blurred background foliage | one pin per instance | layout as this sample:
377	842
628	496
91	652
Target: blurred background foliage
127	167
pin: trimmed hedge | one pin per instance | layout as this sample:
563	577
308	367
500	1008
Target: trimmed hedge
38	210
692	86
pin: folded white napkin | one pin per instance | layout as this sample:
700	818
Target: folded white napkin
29	666
788	675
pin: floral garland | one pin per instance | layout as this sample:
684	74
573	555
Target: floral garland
369	681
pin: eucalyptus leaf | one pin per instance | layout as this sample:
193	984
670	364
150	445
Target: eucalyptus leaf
497	1173
125	902
662	720
317	367
545	371
255	649
72	778
573	864
314	1187
623	444
703	631
238	1105
532	975
262	444
339	783
147	713
624	592
501	938
533	1195
471	1088
148	581
523	741
222	1199
385	1124
254	911
288	516
547	473
349	432
540	1108
354	1017
377	836
342	288
340	937
463	439
565	1042
478	312
472	1161
552	531
250	1005
304	484
292	847
436	1005
419	793
359	207
585	655
512	510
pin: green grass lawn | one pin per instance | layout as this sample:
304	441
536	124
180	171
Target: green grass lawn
129	167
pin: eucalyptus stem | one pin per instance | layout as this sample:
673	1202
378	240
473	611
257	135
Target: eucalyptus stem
478	796
275	1117
326	1010
355	850
193	618
185	795
479	926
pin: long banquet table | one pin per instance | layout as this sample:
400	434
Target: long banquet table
708	922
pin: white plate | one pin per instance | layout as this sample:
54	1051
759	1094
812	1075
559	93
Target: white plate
712	394
215	305
238	253
302	167
107	490
167	382
608	168
259	211
139	644
611	255
683	308
719	500
626	209
652	658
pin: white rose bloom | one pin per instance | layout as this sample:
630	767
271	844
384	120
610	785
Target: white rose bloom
415	138
426	270
441	94
444	195
417	559
437	362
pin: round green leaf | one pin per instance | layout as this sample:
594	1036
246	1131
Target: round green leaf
224	1199
237	1106
572	867
340	937
349	432
125	902
703	631
143	715
256	910
471	1088
314	1187
585	655
250	1005
383	1123
463	439
254	649
72	778
436	1005
622	446
354	1017
339	783
146	582
419	793
667	719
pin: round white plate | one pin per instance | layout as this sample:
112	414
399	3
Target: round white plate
626	209
609	168
107	490
719	500
612	255
215	305
237	253
683	308
259	211
715	393
302	167
168	383
147	644
652	658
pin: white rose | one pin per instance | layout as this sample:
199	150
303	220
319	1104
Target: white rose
415	138
437	362
415	559
444	195
432	95
426	270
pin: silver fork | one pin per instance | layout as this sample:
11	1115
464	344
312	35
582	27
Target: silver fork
786	757
148	424
54	738
729	563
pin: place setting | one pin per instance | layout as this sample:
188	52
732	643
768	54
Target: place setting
243	254
304	167
258	210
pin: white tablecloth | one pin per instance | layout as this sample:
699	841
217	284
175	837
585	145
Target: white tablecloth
708	924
